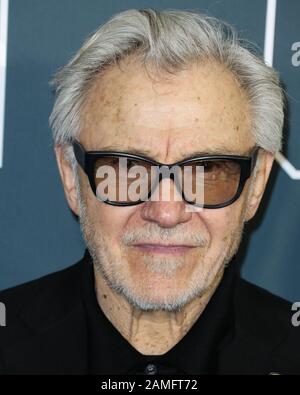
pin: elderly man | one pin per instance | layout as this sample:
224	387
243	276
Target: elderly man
157	290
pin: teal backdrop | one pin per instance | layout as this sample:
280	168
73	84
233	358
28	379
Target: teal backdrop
38	233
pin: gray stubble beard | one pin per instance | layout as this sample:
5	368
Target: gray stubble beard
100	254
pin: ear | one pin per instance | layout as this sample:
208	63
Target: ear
265	163
67	177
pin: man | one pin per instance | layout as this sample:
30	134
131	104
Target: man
157	290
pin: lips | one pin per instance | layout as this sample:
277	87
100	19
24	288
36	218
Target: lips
158	248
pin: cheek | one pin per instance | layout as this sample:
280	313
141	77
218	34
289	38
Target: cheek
221	224
109	220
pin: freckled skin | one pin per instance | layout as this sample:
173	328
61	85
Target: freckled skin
202	107
155	115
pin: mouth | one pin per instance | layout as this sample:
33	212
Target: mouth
166	249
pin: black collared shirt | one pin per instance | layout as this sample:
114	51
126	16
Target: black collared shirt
55	328
196	353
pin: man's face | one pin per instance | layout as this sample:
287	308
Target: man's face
199	109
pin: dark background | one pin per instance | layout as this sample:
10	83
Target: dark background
38	233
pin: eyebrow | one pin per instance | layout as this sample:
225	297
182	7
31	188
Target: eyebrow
149	155
128	150
218	151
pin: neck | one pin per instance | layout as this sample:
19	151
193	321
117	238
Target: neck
150	332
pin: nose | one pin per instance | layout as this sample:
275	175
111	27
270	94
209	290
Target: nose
166	213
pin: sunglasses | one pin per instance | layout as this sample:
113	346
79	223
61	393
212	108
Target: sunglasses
223	177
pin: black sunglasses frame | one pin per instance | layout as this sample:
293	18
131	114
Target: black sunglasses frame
87	159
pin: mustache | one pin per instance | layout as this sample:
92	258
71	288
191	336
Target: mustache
152	233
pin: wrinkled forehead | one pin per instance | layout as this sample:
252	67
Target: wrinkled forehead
199	108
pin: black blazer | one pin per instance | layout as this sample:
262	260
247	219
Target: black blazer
46	330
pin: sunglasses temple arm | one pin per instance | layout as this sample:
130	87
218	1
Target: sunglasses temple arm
79	153
254	159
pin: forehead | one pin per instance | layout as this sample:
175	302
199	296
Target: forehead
197	109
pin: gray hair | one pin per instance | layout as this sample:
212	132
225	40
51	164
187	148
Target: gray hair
169	40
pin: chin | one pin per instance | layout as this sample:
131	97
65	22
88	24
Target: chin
159	295
159	303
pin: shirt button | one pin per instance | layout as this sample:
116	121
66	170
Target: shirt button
151	369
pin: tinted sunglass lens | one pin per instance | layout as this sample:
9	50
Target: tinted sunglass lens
218	183
121	179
